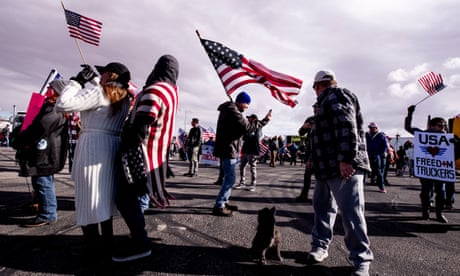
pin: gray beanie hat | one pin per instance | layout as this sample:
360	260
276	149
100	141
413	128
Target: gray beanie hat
58	85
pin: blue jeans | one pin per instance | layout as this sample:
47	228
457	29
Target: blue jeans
378	165
144	202
128	203
46	197
348	195
228	167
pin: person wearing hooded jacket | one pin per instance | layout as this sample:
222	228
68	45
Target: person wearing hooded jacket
42	151
231	126
151	126
249	153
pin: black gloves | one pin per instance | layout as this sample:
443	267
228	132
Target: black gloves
411	109
85	75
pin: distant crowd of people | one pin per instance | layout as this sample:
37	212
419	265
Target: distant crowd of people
95	120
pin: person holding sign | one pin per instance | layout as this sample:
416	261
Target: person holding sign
436	125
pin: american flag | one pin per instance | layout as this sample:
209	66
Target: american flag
432	83
207	133
263	148
235	70
83	28
181	138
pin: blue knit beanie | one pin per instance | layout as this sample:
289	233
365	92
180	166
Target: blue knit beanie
243	97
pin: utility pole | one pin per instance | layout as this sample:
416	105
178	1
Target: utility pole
185	119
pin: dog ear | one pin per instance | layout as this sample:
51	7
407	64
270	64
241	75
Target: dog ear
273	210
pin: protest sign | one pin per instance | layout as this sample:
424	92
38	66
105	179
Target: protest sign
434	156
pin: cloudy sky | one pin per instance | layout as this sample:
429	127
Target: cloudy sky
378	49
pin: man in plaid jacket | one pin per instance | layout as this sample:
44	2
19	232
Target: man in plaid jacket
340	160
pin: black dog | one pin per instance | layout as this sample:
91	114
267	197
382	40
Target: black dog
267	236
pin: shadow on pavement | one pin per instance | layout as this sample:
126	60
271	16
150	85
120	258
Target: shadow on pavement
58	254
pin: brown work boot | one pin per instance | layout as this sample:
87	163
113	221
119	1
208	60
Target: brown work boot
222	212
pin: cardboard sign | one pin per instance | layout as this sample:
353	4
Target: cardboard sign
434	156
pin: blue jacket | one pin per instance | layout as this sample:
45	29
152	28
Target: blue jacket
377	144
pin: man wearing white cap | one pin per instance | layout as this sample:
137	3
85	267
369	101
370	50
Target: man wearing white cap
340	161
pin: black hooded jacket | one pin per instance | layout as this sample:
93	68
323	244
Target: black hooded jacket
231	126
42	147
165	70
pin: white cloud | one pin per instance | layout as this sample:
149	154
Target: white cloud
403	91
403	75
419	70
398	75
452	63
453	81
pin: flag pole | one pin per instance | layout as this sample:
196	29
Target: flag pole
50	77
199	37
423	99
444	86
76	41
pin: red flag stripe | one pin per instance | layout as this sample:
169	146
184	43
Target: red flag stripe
235	70
83	28
431	83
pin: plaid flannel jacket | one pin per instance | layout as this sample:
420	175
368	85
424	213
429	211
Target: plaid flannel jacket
338	133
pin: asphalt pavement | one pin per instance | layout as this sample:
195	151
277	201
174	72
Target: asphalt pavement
188	240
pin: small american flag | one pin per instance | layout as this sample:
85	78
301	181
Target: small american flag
181	138
235	71
83	28
207	133
263	148
432	83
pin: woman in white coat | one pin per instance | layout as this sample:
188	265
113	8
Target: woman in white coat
103	107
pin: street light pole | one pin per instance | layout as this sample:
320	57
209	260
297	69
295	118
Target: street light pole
185	119
397	140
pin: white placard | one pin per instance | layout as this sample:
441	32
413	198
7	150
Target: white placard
434	156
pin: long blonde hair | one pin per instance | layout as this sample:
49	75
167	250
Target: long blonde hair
115	92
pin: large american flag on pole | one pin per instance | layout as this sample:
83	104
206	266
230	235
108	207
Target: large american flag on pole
235	70
432	83
83	28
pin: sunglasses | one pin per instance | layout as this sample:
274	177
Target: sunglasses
442	125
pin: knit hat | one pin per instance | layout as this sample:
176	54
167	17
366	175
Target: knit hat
243	97
58	85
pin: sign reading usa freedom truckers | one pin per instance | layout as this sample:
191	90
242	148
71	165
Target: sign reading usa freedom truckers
434	156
